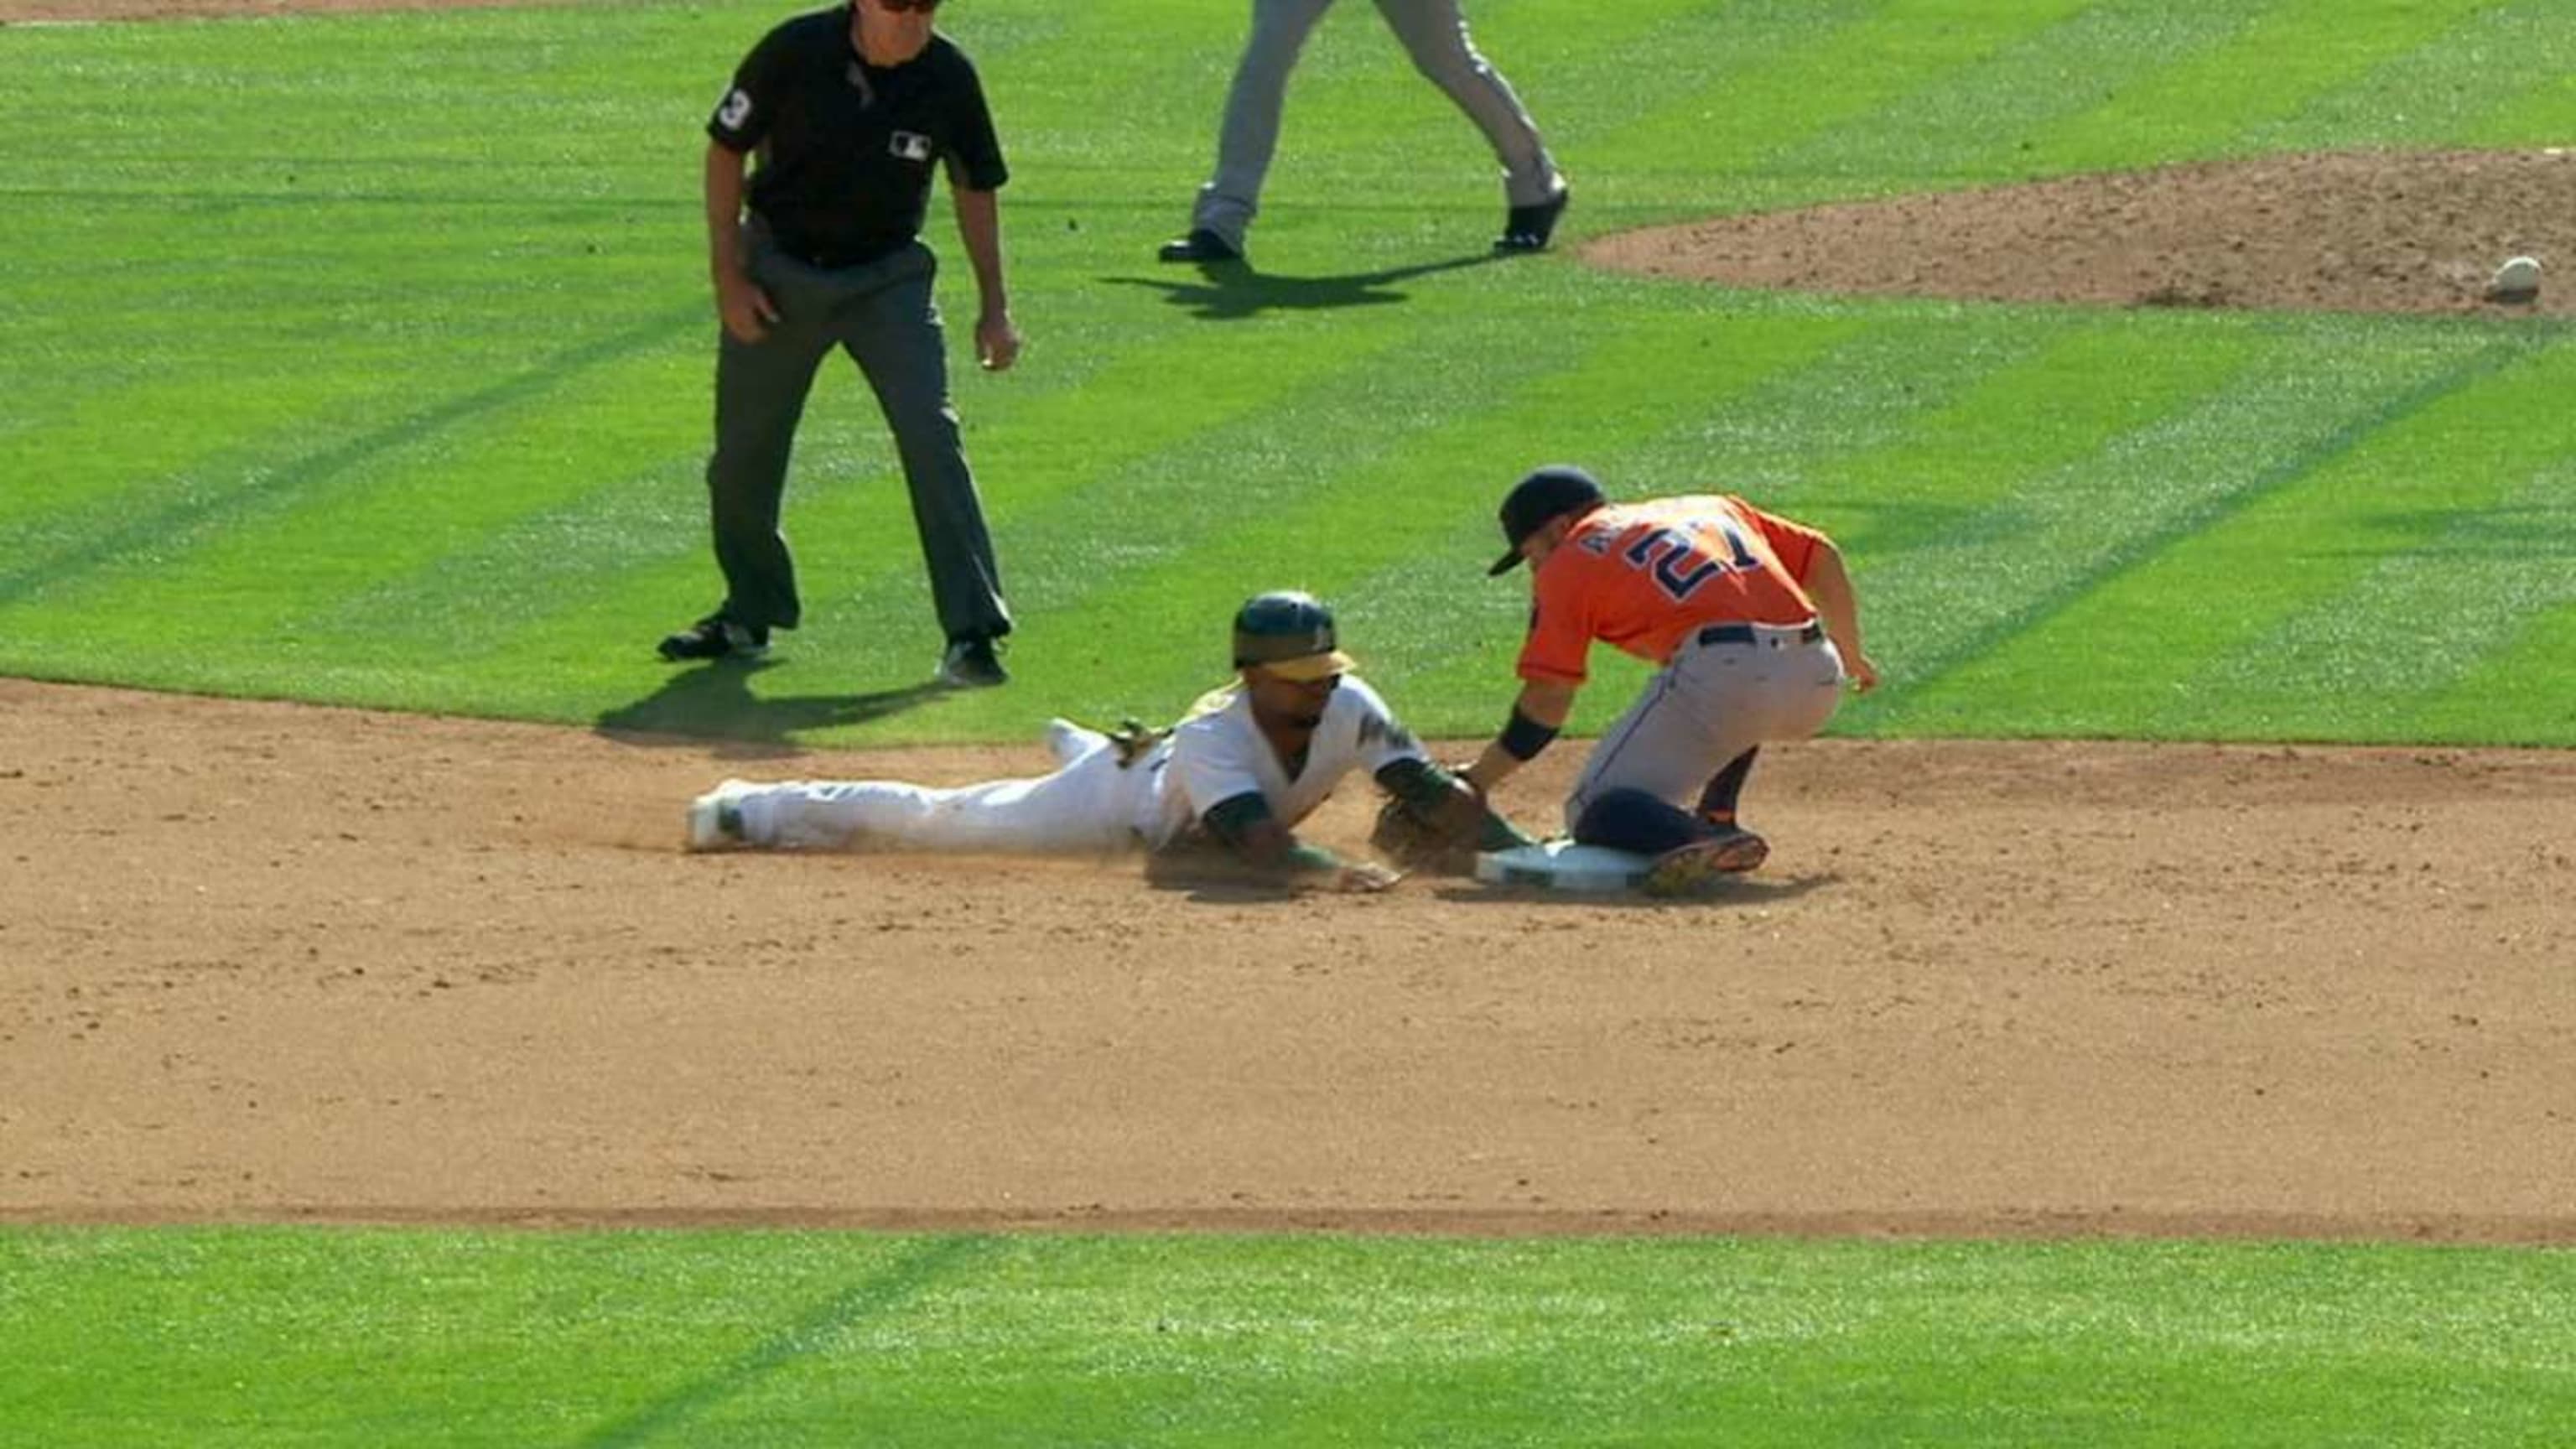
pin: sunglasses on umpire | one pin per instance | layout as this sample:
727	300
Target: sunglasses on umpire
900	6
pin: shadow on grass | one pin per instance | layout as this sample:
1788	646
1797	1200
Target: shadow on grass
1230	291
716	701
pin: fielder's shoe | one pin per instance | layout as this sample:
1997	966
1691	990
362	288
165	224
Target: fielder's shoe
1692	869
971	664
1201	246
716	637
1527	228
715	818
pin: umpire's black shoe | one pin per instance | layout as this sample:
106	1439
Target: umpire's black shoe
971	664
716	637
1202	246
1527	228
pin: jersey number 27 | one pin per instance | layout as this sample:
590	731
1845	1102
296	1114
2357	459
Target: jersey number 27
1678	564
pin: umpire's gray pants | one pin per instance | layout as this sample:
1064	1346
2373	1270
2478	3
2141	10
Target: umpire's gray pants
1434	34
884	316
1710	704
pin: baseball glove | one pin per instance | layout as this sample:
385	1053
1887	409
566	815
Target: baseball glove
1413	842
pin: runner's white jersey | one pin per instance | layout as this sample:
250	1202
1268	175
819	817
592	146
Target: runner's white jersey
1219	753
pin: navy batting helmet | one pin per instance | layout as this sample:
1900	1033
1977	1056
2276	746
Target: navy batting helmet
1540	499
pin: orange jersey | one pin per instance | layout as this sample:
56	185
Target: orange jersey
1642	576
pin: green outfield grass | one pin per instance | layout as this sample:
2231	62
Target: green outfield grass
365	359
276	1338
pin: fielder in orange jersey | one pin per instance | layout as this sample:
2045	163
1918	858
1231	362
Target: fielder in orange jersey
1751	621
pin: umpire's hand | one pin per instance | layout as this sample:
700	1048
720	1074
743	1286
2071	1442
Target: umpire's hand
997	342
745	308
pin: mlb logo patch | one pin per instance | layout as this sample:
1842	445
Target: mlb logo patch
910	145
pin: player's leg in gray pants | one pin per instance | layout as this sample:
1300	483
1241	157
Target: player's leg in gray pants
1250	133
892	331
1711	704
1435	35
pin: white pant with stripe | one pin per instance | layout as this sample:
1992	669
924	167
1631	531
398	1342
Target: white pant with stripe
1090	804
1749	684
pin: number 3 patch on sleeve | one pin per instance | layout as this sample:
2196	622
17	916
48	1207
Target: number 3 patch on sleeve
735	110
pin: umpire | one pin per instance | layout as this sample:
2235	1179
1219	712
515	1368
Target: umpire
848	111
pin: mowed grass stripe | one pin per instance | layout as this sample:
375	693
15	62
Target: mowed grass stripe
2484	659
1808	72
2519	691
1977	122
2209	103
2546	111
2338	603
2498	76
129	554
1067	145
83	462
275	344
524	107
1963	626
477	533
2099	377
194	97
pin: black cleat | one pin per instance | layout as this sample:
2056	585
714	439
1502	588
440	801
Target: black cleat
715	637
1202	246
971	664
1527	228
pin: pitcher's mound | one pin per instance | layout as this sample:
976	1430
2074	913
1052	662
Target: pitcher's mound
2419	231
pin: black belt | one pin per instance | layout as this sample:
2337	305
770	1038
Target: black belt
1808	633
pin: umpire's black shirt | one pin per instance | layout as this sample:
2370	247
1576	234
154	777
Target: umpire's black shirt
846	148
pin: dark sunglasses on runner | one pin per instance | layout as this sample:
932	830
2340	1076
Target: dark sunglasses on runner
899	6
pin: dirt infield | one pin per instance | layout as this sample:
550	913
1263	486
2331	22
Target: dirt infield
273	962
266	962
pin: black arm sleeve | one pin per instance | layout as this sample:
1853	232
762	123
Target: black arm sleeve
1230	819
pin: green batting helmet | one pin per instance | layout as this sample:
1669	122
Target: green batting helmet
1290	634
